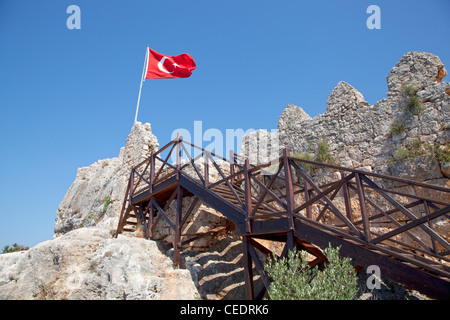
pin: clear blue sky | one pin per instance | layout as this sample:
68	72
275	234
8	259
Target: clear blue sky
68	97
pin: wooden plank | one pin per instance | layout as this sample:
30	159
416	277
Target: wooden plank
247	195
259	266
189	211
362	207
248	268
346	195
289	187
270	226
164	162
177	236
267	190
229	210
163	214
415	223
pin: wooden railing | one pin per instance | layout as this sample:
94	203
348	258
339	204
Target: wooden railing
406	219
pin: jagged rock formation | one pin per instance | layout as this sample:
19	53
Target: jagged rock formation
361	135
96	195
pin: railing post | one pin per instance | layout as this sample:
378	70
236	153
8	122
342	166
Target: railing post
206	167
178	154
248	268
177	236
430	225
232	161
289	187
307	198
346	194
152	171
151	213
131	183
248	197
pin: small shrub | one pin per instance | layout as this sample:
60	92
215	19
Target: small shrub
294	280
416	149
442	152
323	153
106	202
15	247
397	127
414	104
401	154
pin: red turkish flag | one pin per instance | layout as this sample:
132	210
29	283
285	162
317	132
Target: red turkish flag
160	66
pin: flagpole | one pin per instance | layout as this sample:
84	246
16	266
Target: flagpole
140	87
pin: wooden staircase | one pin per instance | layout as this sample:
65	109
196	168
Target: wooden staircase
290	207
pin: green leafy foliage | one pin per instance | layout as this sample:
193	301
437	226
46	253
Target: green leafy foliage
293	279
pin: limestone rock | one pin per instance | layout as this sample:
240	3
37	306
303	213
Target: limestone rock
445	168
344	97
292	115
441	73
87	264
418	69
96	195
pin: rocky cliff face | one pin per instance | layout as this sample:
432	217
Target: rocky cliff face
96	195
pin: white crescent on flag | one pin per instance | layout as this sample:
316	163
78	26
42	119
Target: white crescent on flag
161	65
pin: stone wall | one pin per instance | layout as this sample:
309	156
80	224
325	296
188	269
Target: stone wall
362	135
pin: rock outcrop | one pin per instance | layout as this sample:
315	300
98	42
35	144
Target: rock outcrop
88	264
96	195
